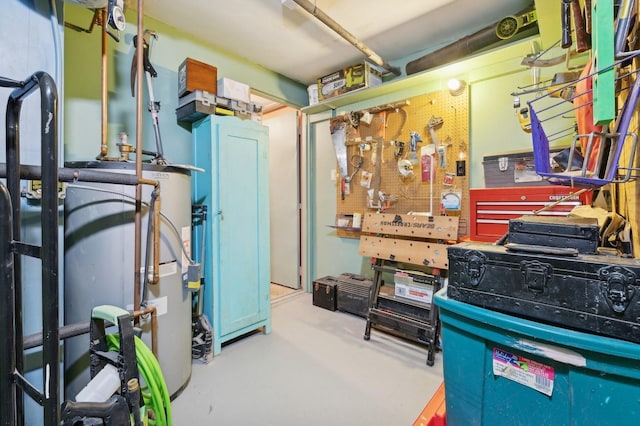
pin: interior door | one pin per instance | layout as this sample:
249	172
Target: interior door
284	200
243	230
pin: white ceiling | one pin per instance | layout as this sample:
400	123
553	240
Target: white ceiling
296	44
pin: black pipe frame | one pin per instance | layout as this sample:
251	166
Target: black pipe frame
12	383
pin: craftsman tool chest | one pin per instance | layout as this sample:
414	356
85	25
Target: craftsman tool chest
324	292
490	209
579	233
594	293
354	294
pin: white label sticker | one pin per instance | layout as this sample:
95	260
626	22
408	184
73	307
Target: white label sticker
161	304
523	370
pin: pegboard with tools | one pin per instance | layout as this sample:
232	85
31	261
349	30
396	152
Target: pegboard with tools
408	156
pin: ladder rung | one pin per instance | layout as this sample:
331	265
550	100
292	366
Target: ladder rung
27	249
30	389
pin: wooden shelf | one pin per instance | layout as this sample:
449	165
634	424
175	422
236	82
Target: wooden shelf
398	84
345	228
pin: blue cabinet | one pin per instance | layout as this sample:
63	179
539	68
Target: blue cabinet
235	188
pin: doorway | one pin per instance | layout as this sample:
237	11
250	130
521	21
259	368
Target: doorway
284	185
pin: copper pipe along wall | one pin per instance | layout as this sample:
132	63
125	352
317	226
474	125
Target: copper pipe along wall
156	242
151	310
138	207
104	83
155	278
328	21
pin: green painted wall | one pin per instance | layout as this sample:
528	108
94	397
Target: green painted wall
82	93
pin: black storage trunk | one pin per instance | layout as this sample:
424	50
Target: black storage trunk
582	234
354	294
593	293
324	292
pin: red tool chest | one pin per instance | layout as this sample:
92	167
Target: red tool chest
491	208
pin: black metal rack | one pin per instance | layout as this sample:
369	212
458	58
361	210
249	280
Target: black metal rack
13	383
410	319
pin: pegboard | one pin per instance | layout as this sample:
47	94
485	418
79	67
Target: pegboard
378	138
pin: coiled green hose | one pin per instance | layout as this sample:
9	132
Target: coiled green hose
155	393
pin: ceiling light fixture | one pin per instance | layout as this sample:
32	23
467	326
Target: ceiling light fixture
456	86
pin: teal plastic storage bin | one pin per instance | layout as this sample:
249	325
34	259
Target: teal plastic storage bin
504	370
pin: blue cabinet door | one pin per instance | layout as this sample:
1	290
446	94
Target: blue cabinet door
235	189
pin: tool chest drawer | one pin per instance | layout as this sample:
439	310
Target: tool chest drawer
490	209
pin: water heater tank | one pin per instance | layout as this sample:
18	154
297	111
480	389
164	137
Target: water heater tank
99	265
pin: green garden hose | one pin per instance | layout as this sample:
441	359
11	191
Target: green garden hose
154	392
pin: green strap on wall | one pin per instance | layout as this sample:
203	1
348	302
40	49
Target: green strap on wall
603	57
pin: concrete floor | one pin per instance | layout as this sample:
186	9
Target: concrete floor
278	291
313	369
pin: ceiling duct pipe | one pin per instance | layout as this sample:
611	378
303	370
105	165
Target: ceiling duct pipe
507	30
328	21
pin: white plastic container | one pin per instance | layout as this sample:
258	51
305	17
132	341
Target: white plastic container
101	387
313	94
357	220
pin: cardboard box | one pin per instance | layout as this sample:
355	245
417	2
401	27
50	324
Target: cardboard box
418	293
196	75
351	78
232	89
413	286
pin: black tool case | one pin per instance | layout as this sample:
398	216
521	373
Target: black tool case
582	234
324	292
593	293
354	294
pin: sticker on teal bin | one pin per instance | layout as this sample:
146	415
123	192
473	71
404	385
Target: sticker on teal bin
524	371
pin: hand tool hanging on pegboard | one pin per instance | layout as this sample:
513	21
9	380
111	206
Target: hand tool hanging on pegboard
149	72
413	145
571	8
338	129
440	149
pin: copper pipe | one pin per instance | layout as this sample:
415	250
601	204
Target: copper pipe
156	241
104	83
145	181
155	278
138	212
151	310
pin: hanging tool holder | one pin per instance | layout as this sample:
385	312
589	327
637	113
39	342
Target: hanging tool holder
393	164
114	411
12	354
586	159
